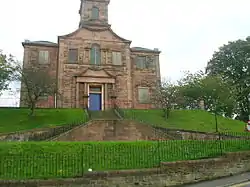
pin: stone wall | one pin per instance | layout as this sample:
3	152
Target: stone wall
30	59
193	135
36	134
21	136
168	174
82	40
147	78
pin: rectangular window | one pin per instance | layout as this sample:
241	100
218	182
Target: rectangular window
117	58
143	95
73	55
141	62
44	96
95	55
95	13
144	62
43	57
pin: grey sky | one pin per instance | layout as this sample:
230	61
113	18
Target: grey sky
186	31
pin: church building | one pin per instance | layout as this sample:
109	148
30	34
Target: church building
96	67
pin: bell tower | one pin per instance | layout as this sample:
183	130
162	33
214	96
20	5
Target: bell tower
94	12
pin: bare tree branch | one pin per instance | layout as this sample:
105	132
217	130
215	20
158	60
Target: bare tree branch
36	82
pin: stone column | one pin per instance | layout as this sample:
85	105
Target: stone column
106	55
105	96
85	94
157	67
129	79
77	94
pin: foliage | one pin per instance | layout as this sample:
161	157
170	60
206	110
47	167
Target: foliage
232	62
43	118
6	70
50	160
165	96
216	94
198	120
37	82
191	90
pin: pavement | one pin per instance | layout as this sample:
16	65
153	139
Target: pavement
242	180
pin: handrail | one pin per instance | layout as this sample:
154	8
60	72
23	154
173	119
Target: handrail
119	111
87	112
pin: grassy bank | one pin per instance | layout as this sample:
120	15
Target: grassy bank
197	120
17	119
61	159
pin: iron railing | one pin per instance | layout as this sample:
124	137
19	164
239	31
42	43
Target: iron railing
31	160
118	111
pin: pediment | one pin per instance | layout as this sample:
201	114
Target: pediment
96	33
95	72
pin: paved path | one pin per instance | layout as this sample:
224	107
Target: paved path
242	180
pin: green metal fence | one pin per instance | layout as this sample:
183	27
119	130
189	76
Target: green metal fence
41	160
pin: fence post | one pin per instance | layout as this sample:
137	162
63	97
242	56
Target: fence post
158	147
220	146
82	162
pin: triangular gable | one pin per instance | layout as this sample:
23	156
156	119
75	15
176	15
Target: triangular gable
100	30
95	72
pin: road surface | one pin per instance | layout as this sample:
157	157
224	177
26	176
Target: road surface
244	184
242	180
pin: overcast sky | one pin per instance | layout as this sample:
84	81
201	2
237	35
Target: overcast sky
186	31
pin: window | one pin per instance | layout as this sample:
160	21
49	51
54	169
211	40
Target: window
143	95
95	13
44	96
117	58
95	57
73	55
43	57
141	62
144	62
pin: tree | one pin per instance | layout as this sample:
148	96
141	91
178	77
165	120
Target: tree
191	90
165	97
232	62
36	83
6	70
216	94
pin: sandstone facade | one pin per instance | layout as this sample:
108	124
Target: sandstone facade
95	66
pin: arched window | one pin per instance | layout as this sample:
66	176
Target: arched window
95	13
95	54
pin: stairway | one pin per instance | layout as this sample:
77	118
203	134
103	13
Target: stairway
103	115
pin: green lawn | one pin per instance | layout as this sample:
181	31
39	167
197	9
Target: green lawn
29	160
198	120
17	119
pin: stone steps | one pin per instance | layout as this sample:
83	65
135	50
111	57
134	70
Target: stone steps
103	115
110	130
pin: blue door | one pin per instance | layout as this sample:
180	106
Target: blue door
95	101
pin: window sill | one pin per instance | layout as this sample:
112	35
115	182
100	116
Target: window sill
145	103
42	63
145	69
72	63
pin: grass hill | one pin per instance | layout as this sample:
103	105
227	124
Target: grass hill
198	120
17	119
